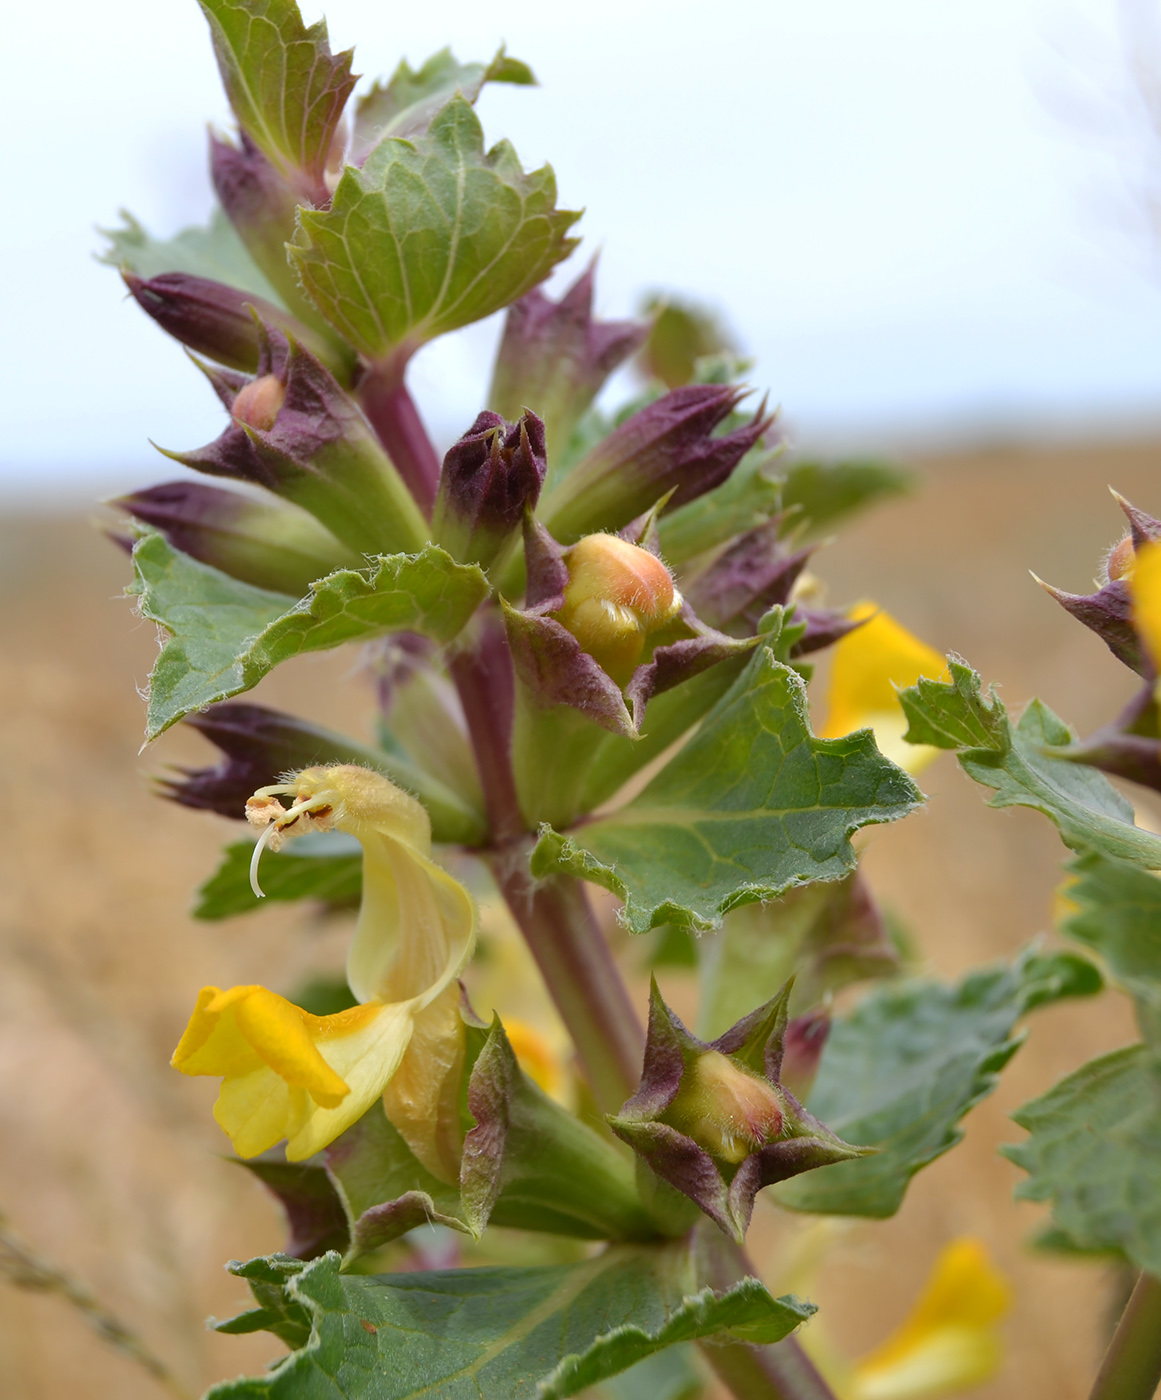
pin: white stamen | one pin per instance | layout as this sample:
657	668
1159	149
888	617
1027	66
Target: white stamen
276	827
259	846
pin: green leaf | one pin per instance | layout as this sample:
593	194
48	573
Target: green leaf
1088	811
502	1333
1118	915
215	252
826	492
753	805
666	1375
226	635
287	89
902	1070
430	235
1095	1153
406	105
334	878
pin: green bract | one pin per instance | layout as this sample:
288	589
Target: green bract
226	635
430	235
286	88
489	1333
1087	809
751	806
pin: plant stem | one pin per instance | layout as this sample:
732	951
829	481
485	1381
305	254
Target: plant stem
481	669
554	915
395	418
782	1372
1131	1369
779	1372
580	974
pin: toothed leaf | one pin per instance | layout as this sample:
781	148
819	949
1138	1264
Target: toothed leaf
753	805
430	235
225	635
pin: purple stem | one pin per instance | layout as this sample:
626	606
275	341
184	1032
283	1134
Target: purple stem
779	1372
578	969
395	418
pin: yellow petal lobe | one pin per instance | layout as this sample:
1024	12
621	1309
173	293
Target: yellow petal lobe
869	663
949	1340
1145	591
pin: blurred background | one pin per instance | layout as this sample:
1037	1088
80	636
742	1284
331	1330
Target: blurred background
934	228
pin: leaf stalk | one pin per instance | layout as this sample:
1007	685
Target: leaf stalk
1131	1369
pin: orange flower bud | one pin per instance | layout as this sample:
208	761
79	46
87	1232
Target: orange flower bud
258	404
725	1108
617	594
1121	558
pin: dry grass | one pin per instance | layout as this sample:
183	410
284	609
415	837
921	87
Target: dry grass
111	1164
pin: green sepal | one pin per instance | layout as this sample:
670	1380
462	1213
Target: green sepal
226	635
753	805
904	1068
1095	1154
215	252
498	1333
384	1189
287	89
1088	811
531	1164
429	235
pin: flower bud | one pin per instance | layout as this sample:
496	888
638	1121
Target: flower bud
259	403
725	1108
1121	559
669	446
617	594
268	543
489	477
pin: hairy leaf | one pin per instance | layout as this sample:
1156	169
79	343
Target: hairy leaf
753	805
501	1333
904	1068
1095	1153
429	235
334	876
1118	914
1088	811
287	89
226	635
406	105
214	252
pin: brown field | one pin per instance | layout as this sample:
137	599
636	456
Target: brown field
111	1163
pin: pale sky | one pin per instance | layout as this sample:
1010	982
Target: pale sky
880	196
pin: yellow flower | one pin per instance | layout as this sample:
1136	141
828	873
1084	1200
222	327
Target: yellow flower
1145	591
950	1341
288	1074
869	663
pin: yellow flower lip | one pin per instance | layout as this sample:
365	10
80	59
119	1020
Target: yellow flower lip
288	1074
870	665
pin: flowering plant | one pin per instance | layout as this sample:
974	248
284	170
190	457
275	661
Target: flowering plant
593	638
